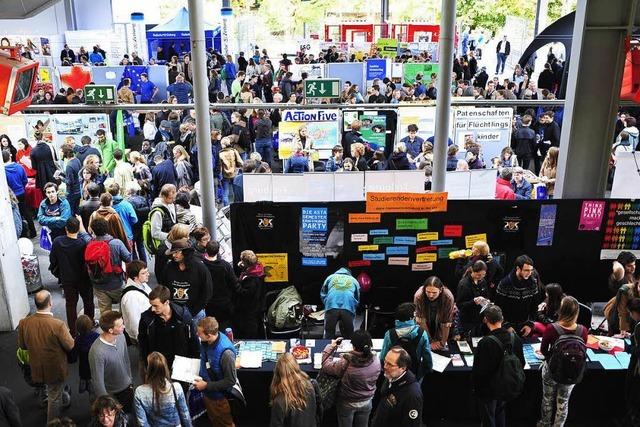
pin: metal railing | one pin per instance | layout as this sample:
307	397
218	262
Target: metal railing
226	106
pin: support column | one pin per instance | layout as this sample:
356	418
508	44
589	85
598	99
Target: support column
443	101
593	96
203	126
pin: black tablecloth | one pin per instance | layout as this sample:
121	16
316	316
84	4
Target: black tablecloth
449	395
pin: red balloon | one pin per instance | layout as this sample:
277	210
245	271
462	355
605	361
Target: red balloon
365	282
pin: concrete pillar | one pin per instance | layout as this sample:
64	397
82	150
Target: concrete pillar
593	95
14	303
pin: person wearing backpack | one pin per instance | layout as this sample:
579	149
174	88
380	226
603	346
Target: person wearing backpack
104	256
497	374
162	217
565	352
135	297
408	335
359	370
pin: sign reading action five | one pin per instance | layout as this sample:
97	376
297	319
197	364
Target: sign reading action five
322	88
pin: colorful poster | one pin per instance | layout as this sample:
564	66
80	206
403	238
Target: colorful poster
374	130
591	215
318	129
376	68
78	125
276	267
38	122
388	47
547	225
320	235
406	202
622	229
410	71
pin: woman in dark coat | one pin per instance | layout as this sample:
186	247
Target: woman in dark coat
249	301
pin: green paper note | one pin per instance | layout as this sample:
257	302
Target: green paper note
386	240
412	223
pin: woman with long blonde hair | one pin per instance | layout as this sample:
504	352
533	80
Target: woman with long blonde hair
159	402
183	167
293	396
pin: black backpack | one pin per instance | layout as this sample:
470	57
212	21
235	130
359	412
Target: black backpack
568	356
410	345
508	381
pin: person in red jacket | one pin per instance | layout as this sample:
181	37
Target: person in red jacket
503	186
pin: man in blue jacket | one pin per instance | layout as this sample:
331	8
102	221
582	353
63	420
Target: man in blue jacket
409	336
125	210
72	178
340	294
217	371
520	185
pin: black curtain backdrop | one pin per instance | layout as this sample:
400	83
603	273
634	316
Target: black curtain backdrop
573	260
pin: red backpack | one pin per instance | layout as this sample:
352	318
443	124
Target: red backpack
97	256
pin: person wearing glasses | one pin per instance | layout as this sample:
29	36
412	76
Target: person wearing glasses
519	294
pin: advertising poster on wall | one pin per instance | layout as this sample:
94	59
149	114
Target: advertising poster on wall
321	130
410	71
321	234
374	130
314	71
388	47
38	122
423	117
77	125
489	127
376	68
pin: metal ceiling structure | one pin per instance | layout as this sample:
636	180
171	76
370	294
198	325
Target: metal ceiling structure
21	9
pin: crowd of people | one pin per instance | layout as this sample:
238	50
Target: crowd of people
198	297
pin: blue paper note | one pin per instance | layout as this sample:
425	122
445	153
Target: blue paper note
398	250
441	242
404	240
623	358
608	361
373	257
314	262
378	232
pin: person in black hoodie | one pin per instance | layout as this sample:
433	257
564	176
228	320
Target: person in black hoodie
401	395
249	297
86	149
188	279
519	294
72	178
224	281
487	361
42	157
472	295
91	205
66	263
166	327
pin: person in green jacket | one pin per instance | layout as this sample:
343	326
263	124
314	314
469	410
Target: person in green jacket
106	147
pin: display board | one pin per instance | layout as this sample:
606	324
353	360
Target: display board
350	71
490	127
77	125
410	70
400	250
321	131
314	71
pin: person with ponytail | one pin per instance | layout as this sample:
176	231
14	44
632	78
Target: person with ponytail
359	370
293	396
435	311
159	402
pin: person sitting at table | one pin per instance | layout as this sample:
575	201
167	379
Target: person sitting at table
519	294
632	389
480	251
435	311
340	294
472	295
549	309
616	311
623	270
293	396
408	335
487	361
359	370
554	394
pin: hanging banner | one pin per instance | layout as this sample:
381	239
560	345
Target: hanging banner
406	202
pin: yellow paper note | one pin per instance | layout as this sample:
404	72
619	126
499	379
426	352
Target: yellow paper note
472	238
363	248
430	235
428	257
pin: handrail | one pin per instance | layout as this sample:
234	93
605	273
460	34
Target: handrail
269	106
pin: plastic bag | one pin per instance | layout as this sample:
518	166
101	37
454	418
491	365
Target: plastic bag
45	239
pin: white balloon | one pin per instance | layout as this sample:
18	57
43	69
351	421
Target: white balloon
26	246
